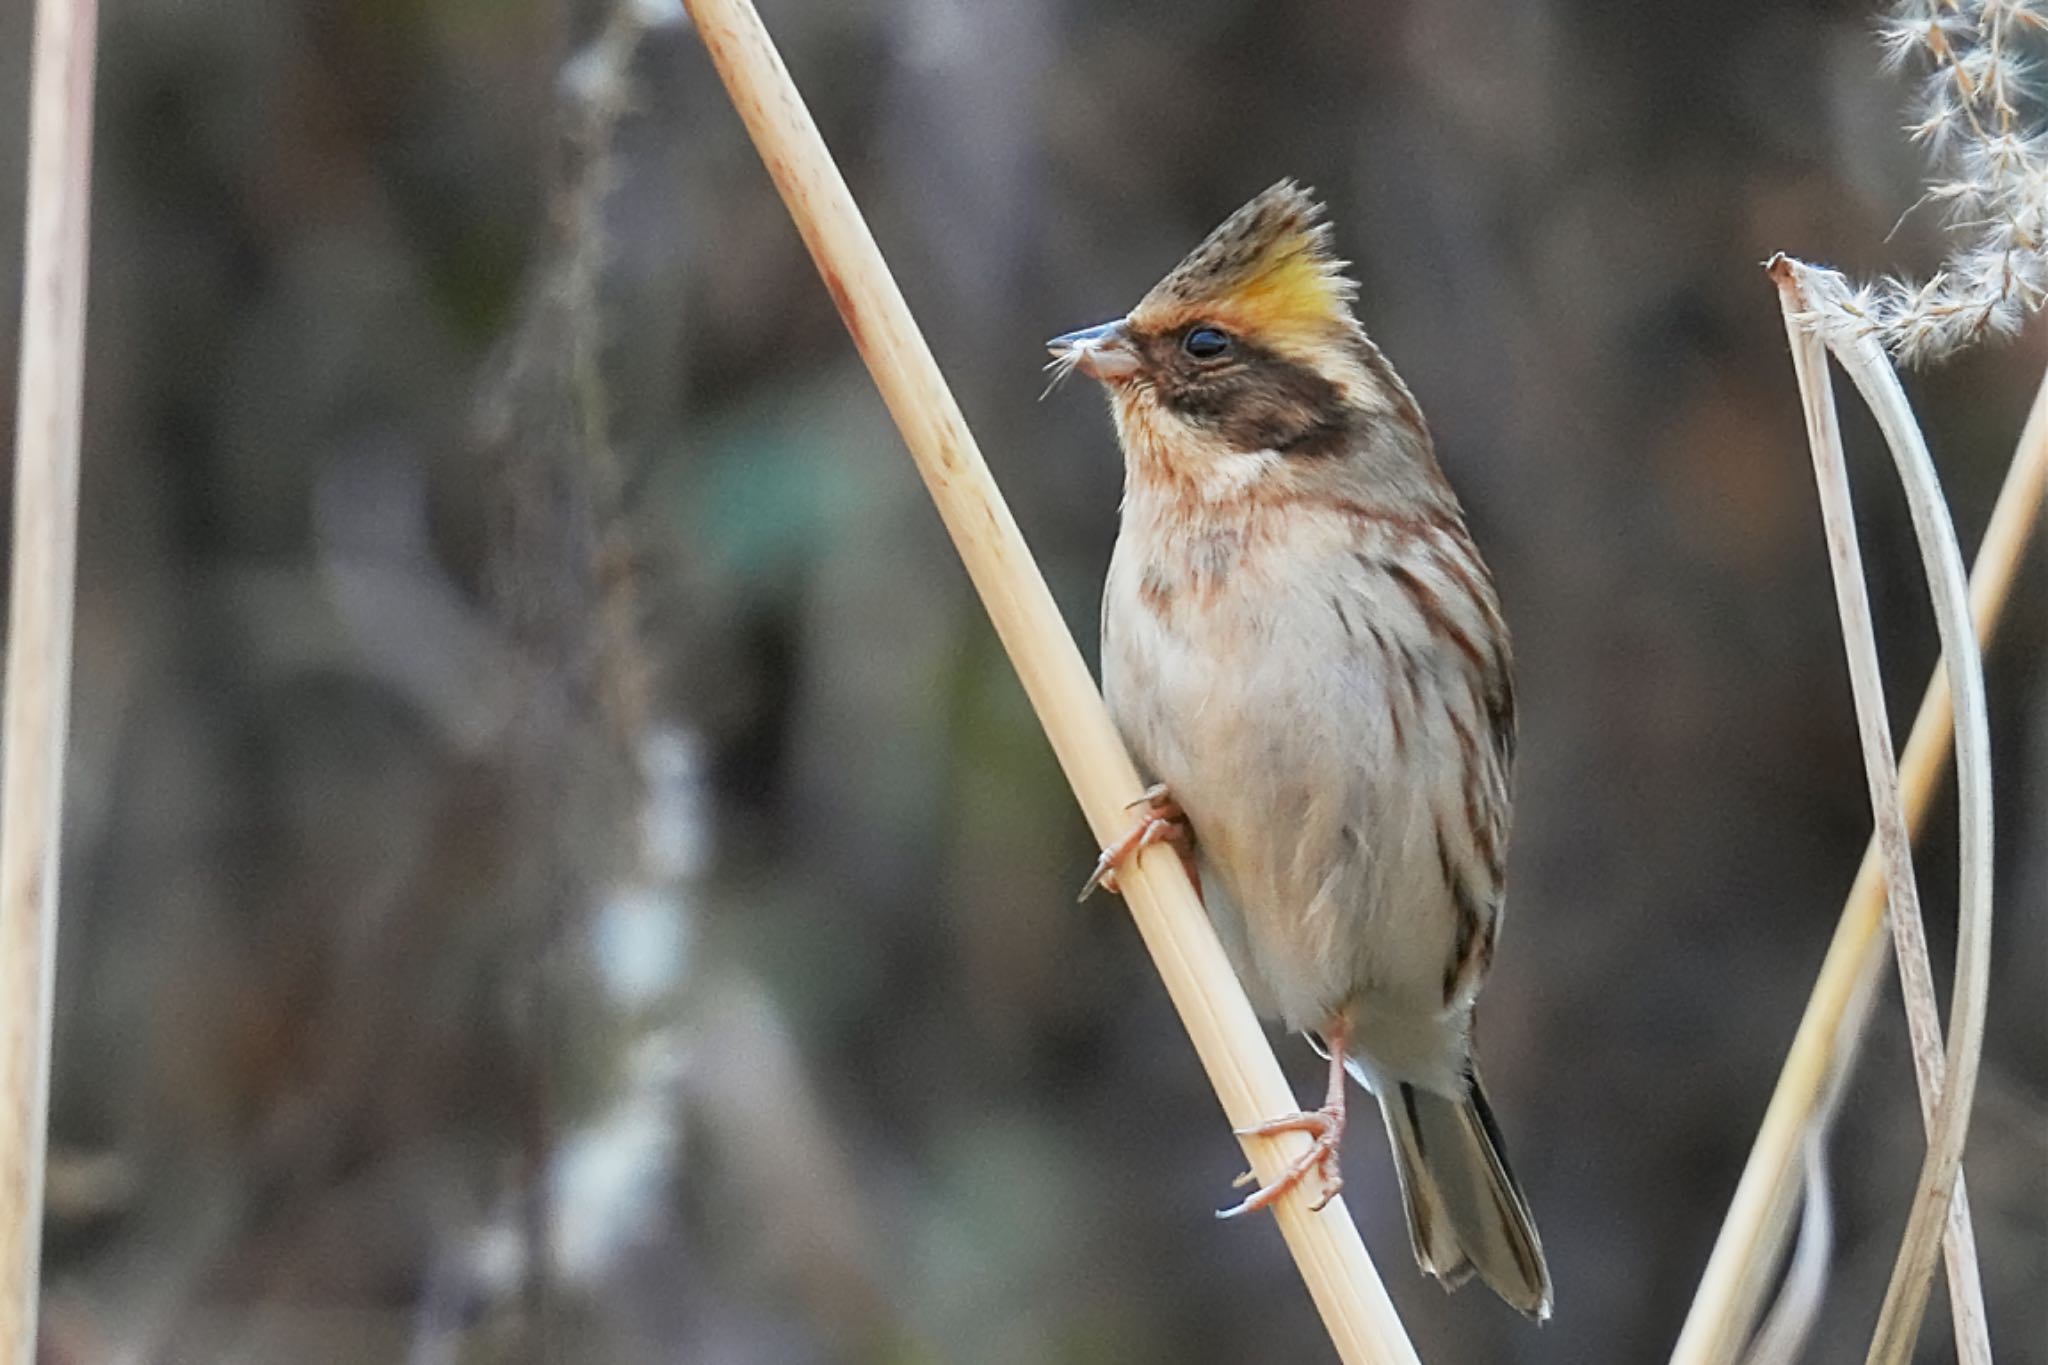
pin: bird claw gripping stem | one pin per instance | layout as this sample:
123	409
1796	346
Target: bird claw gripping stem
1162	821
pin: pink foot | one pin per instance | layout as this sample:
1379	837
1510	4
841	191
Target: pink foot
1326	1126
1163	821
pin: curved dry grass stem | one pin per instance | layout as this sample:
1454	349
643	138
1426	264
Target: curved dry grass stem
1340	1277
1916	975
1905	1301
39	639
1723	1306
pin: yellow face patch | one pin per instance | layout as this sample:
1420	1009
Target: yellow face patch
1267	272
1296	292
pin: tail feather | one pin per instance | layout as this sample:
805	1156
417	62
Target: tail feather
1466	1214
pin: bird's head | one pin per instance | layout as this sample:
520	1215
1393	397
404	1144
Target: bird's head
1245	362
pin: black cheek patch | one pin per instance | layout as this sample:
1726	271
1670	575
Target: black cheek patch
1324	440
1255	400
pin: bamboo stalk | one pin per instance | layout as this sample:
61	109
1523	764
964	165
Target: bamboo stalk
38	687
1718	1317
1226	1034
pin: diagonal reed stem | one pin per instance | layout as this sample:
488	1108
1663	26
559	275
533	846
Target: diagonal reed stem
32	729
1723	1306
1226	1034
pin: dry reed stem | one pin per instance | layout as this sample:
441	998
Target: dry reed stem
1909	935
1864	360
1721	1308
1333	1261
38	686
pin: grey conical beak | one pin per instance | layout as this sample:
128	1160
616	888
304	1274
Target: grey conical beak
1103	352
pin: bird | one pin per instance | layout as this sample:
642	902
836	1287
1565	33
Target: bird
1304	650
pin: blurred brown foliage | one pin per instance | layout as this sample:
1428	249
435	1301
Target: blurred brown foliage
558	868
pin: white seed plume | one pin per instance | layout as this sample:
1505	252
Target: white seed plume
1981	118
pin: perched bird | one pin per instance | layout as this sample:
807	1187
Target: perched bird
1302	646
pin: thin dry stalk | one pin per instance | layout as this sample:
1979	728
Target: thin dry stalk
39	642
1905	1303
1723	1306
1340	1276
1909	935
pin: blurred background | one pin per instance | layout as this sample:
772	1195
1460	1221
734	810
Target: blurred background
558	867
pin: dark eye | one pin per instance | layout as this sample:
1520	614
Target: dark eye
1205	343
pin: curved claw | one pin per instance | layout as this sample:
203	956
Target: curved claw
1326	1125
1163	821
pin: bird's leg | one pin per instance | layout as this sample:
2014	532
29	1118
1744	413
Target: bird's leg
1161	821
1325	1125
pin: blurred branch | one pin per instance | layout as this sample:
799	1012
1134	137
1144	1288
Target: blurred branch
44	568
1248	1081
558	583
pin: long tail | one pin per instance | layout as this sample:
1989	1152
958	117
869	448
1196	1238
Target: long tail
1465	1211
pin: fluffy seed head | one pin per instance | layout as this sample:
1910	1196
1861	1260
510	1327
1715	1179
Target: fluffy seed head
1981	118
